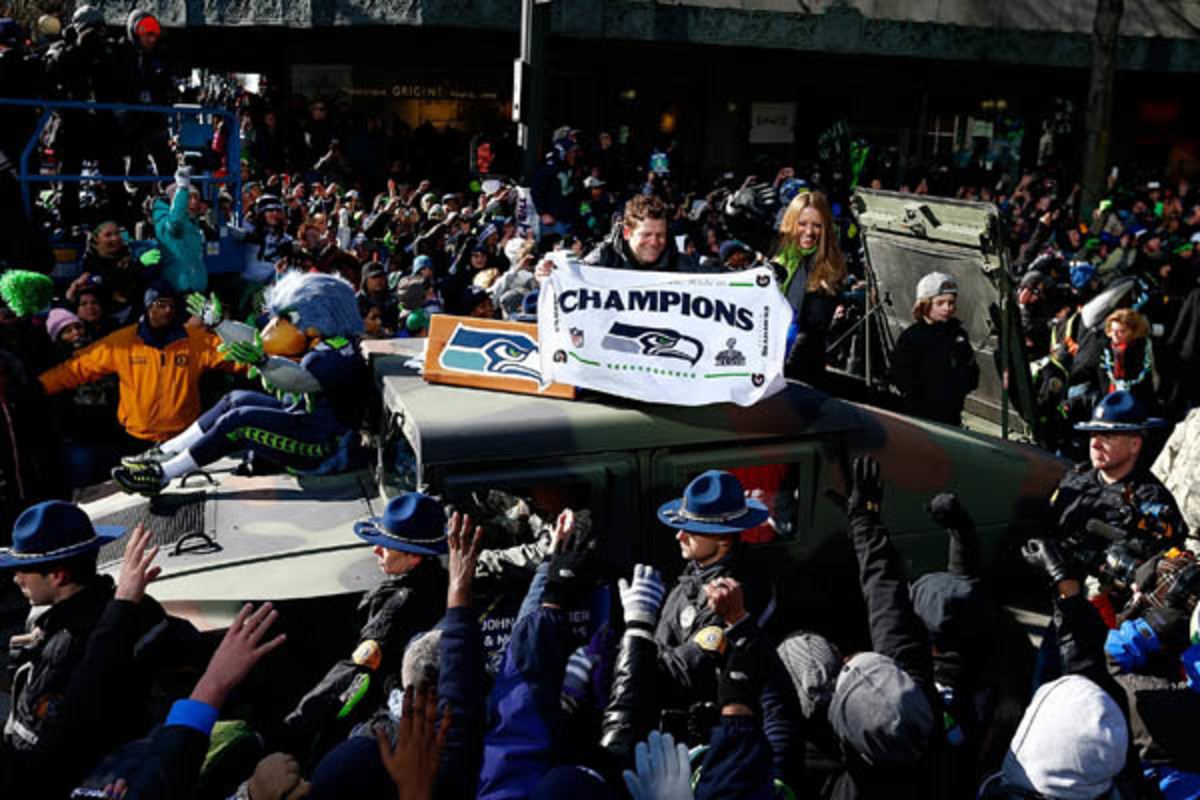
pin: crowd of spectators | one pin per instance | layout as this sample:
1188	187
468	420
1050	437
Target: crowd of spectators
938	701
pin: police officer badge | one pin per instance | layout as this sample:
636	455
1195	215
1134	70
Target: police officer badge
686	617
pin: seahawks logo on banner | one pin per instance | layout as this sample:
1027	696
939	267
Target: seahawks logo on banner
659	342
492	352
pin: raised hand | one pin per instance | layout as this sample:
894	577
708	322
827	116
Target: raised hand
564	526
464	555
947	511
136	572
1045	555
569	565
412	762
237	654
867	492
664	771
643	598
208	309
277	776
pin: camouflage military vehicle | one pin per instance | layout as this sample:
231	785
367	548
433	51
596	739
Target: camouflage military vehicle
229	538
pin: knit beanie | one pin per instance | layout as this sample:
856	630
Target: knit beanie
813	664
58	319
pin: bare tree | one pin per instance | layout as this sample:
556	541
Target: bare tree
1105	35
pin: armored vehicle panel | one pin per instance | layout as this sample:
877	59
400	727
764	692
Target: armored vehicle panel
907	236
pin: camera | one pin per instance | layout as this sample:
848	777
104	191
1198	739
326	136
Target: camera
1121	563
1110	553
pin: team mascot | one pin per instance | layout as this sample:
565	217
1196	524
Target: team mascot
308	358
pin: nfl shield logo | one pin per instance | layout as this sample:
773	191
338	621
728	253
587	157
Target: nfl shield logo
576	337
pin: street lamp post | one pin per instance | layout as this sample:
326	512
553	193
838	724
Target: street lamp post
529	82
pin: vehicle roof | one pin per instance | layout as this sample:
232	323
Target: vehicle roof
446	424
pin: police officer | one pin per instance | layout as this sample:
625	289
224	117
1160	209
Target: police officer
709	519
56	665
1117	488
408	539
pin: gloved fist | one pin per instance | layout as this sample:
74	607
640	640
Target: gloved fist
867	493
150	258
643	598
209	309
1045	555
577	682
1191	666
1131	645
1170	625
946	511
183	177
570	570
747	658
277	776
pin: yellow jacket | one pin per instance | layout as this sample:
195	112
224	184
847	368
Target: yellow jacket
160	387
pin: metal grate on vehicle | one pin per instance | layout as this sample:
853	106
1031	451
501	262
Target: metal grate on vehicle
169	518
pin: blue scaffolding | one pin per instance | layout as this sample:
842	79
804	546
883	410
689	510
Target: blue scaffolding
189	123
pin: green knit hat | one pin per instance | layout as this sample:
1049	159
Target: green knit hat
26	292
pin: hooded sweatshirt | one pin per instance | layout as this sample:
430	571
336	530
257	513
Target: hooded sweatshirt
1071	742
182	244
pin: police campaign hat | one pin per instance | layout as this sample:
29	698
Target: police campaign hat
53	531
411	523
713	504
1120	412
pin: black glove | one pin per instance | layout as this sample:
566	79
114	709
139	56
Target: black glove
570	571
1046	555
1171	627
946	511
1146	576
747	660
867	493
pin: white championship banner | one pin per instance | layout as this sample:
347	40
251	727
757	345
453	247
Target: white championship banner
684	339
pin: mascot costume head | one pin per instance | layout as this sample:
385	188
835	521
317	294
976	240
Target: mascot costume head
306	308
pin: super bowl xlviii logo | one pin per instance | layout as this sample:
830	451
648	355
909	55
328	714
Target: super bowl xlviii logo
492	352
657	342
731	356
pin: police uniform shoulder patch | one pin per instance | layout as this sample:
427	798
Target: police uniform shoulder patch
368	654
710	639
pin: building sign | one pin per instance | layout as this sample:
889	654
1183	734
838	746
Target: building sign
772	123
663	337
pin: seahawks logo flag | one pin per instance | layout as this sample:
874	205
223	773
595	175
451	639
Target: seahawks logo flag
683	339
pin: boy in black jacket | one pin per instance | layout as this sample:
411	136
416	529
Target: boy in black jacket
933	364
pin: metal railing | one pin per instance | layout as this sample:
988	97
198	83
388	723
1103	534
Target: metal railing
233	154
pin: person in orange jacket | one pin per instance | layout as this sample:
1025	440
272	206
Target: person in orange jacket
159	363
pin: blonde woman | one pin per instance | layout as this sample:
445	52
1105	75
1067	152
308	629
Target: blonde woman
810	270
1127	363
